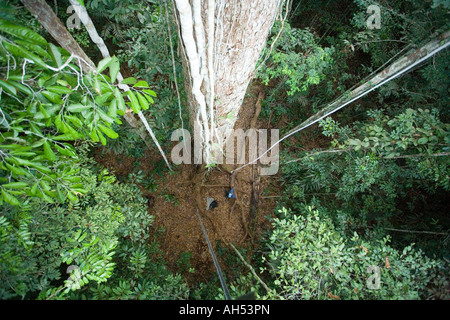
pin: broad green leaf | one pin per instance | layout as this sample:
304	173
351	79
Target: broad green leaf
10	146
38	143
114	69
120	102
65	137
108	131
142	101
104	86
22	32
16	170
9	198
101	137
18	77
141	84
34	128
96	86
20	87
129	80
72	197
23	154
134	102
23	53
77	107
71	80
150	99
59	123
63	83
59	89
53	97
72	131
44	111
45	185
46	197
15	185
112	110
33	48
150	92
55	54
76	121
66	151
94	135
73	179
27	163
104	116
103	64
41	81
422	140
59	194
48	152
34	188
101	99
79	190
8	87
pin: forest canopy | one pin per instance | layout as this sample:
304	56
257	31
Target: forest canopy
92	207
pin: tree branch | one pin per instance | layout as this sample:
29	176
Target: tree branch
253	271
89	25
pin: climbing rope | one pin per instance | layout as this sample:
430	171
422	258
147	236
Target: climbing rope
216	263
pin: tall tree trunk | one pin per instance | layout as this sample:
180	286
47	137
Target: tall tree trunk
222	40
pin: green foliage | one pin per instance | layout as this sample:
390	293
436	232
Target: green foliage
298	65
15	246
242	285
297	59
129	144
139	32
375	166
404	27
365	185
63	221
399	23
184	262
101	240
311	260
141	277
413	134
45	102
69	230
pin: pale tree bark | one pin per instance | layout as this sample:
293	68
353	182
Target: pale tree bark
50	21
233	33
